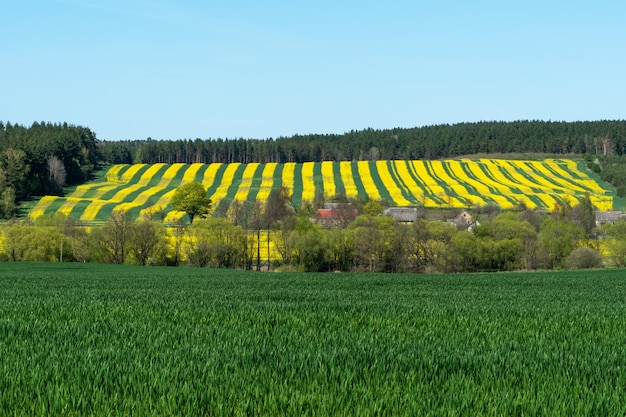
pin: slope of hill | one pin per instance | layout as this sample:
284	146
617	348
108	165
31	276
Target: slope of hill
445	184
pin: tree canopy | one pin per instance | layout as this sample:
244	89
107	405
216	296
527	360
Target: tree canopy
192	199
428	142
41	159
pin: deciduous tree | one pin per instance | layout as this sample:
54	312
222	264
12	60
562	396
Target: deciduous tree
192	199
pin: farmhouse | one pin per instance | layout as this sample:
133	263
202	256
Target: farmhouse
612	216
463	221
402	214
336	215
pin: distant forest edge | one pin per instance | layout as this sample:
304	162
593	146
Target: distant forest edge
429	142
45	157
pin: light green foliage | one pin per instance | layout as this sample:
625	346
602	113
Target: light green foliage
557	239
33	244
118	340
192	199
217	243
615	240
373	208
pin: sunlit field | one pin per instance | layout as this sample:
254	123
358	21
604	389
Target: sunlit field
463	183
86	339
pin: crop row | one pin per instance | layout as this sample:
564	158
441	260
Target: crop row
158	341
449	183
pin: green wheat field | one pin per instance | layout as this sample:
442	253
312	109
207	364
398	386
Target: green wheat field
90	339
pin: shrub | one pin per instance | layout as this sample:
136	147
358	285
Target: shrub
584	258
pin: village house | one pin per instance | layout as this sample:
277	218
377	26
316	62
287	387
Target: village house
463	221
402	214
335	215
612	216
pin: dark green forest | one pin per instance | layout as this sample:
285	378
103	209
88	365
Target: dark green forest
44	157
429	142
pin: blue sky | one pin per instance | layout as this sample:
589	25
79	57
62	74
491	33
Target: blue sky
132	69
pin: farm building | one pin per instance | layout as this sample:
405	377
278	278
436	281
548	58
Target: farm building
463	221
402	214
336	215
612	216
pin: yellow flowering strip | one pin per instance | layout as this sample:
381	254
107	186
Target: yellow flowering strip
189	175
92	209
308	184
209	174
390	184
112	174
345	168
598	195
246	181
550	189
227	180
506	174
542	172
328	177
288	175
525	174
404	171
267	181
603	202
431	184
487	173
169	174
451	184
191	172
494	193
68	206
122	195
130	173
173	216
42	205
363	168
536	186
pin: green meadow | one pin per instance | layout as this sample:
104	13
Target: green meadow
87	339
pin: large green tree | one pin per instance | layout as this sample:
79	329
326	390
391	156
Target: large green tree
192	199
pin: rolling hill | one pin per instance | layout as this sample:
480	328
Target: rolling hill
438	183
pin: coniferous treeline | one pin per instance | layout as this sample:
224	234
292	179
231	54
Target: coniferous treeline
429	142
44	157
41	159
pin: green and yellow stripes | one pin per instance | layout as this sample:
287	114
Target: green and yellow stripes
452	193
118	200
211	174
481	192
113	173
414	185
144	188
328	179
42	206
396	190
308	182
267	181
350	188
230	179
248	177
365	174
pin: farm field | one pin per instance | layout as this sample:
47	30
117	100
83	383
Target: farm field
442	184
87	339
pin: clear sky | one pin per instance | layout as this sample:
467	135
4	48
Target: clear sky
132	69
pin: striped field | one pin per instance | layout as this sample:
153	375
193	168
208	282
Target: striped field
445	184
